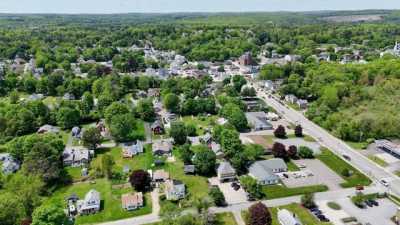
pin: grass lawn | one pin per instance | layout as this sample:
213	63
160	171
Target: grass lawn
357	145
201	122
196	186
378	160
74	172
303	214
292	166
338	165
225	219
139	132
309	138
142	161
270	139
221	219
279	191
111	201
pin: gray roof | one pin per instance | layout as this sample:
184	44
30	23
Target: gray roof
225	168
164	146
263	170
258	120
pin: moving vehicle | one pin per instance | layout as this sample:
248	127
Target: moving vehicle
384	183
346	157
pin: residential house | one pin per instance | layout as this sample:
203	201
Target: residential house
264	171
269	85
76	132
216	148
285	217
132	201
157	127
258	121
189	169
246	59
8	163
153	92
160	176
76	156
128	151
226	172
35	97
302	103
175	190
48	129
162	147
91	203
292	58
291	99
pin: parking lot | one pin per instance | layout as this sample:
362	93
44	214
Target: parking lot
377	215
231	196
313	173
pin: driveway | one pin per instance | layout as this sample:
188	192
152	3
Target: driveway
321	174
232	197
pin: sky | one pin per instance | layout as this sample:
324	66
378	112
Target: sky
164	6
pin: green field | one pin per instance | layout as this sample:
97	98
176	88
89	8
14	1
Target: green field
292	166
338	165
378	160
110	199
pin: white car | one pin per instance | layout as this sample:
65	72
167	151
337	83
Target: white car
384	183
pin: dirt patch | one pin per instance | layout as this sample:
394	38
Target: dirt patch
260	140
353	18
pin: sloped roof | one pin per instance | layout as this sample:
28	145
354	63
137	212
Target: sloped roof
225	168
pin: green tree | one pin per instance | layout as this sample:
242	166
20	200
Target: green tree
27	190
217	196
252	187
230	142
49	215
306	152
43	160
116	108
91	137
204	161
67	117
171	102
122	127
12	210
178	132
145	110
107	163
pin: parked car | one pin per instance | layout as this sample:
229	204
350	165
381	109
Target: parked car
361	205
374	202
235	186
285	175
359	187
323	218
369	203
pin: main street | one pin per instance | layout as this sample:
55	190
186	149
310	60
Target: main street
359	161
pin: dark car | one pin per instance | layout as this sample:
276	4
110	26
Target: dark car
323	218
374	202
317	212
285	175
361	205
346	157
369	203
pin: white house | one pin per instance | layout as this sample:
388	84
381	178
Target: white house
91	203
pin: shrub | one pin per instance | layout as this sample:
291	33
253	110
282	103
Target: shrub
280	132
306	152
334	205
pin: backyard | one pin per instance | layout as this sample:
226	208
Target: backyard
110	201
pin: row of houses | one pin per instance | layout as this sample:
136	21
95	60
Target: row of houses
301	103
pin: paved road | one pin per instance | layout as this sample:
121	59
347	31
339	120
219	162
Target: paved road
369	168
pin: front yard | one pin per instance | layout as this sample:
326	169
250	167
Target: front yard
110	201
201	122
